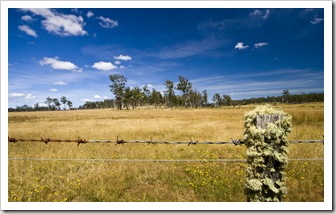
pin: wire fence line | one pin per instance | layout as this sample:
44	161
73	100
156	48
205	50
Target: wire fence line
150	160
117	141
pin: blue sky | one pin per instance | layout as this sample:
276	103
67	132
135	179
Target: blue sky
243	52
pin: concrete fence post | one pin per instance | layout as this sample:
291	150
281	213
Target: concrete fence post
265	137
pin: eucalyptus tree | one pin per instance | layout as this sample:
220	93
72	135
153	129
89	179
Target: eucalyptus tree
227	100
170	94
205	98
64	101
69	103
155	98
56	103
217	99
146	94
185	87
118	88
48	102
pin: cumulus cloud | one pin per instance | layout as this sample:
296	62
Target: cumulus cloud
21	95
255	13
260	13
97	96
27	18
54	90
27	30
107	23
122	57
60	83
260	44
58	23
316	21
89	14
267	13
55	63
30	96
86	100
104	66
16	95
117	62
241	46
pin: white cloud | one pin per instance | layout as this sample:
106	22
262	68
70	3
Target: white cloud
86	100
75	10
89	14
27	30
97	97
27	18
107	23
260	44
105	97
60	83
121	66
148	86
255	13
60	65
16	95
30	96
104	66
316	21
54	90
122	57
268	12
260	13
240	46
117	62
60	24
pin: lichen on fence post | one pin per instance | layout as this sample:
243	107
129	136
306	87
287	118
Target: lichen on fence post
266	132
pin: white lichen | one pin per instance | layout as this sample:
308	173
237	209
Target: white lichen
266	154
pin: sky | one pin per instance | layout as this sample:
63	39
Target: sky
241	52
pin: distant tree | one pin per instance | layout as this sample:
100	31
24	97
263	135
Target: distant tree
227	100
285	96
48	102
64	101
146	94
155	98
69	103
37	105
205	98
195	98
217	99
56	103
169	92
118	88
185	87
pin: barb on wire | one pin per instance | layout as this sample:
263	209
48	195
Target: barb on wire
12	139
46	141
120	141
192	142
79	141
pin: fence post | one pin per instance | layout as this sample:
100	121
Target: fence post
266	131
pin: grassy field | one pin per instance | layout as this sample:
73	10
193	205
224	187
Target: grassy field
72	181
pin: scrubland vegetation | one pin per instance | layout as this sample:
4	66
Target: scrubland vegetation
72	181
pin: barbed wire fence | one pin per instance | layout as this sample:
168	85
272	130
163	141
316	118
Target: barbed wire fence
148	142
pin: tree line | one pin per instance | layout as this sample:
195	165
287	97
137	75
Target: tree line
180	94
53	104
126	97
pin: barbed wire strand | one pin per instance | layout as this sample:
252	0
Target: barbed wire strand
150	160
191	142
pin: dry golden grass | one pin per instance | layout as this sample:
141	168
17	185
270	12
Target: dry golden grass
148	181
